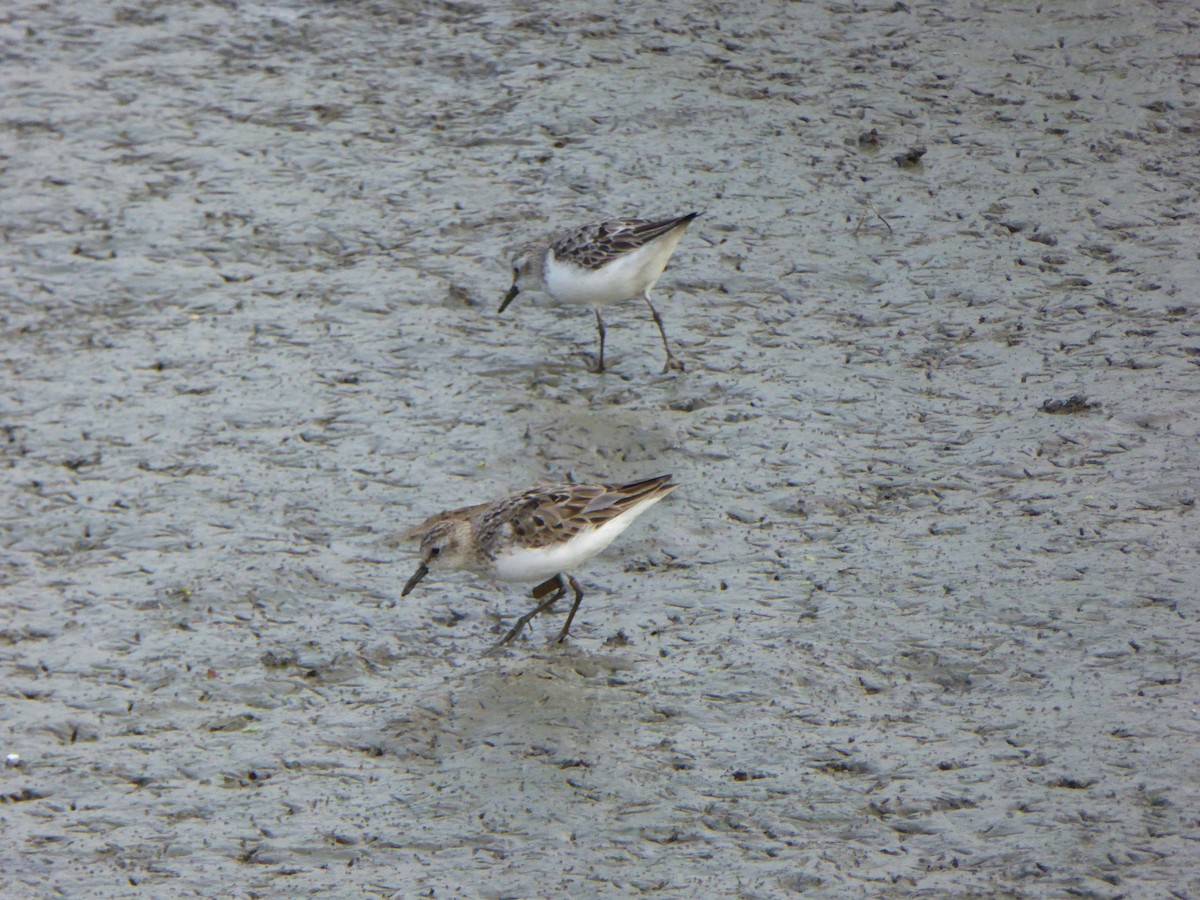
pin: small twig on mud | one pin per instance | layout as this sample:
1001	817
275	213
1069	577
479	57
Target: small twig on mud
866	214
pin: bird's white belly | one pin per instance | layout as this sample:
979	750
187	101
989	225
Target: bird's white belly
540	563
622	279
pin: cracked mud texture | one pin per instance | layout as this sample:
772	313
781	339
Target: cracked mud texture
922	619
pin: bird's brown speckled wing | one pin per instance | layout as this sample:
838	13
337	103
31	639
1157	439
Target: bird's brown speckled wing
595	245
556	513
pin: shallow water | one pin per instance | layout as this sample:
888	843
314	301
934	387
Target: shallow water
902	630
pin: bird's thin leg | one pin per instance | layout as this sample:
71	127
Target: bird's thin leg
541	607
574	606
672	362
554	582
601	331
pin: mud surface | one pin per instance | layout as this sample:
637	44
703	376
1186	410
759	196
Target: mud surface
921	621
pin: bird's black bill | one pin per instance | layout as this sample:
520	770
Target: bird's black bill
422	571
508	298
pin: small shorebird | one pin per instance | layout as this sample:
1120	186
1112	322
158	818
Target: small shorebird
539	534
602	263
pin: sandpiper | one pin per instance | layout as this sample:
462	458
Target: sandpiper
602	263
538	535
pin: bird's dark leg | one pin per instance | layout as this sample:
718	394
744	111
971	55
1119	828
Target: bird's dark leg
539	591
554	582
672	362
574	606
600	359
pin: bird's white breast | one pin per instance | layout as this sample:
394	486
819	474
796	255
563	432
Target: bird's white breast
539	563
622	279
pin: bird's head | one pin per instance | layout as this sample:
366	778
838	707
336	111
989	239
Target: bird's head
445	544
527	272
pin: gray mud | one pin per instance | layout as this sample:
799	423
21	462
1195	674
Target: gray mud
905	630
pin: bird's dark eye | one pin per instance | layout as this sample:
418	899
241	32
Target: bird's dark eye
435	551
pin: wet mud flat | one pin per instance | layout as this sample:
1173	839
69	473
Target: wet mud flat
922	618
